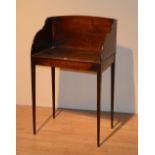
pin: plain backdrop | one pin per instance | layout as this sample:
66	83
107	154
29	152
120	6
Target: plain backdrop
78	89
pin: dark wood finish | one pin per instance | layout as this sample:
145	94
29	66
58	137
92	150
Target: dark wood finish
76	42
33	81
80	32
112	92
99	81
53	89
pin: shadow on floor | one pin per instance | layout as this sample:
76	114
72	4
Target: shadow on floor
58	111
120	119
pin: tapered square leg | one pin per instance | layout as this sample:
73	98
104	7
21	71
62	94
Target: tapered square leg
99	79
53	89
112	93
33	81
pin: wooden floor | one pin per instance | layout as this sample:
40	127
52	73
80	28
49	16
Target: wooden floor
74	133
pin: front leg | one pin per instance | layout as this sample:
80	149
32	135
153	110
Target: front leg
53	89
99	80
112	93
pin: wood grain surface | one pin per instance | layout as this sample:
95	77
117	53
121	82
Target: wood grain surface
74	133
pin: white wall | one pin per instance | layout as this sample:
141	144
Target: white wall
76	89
